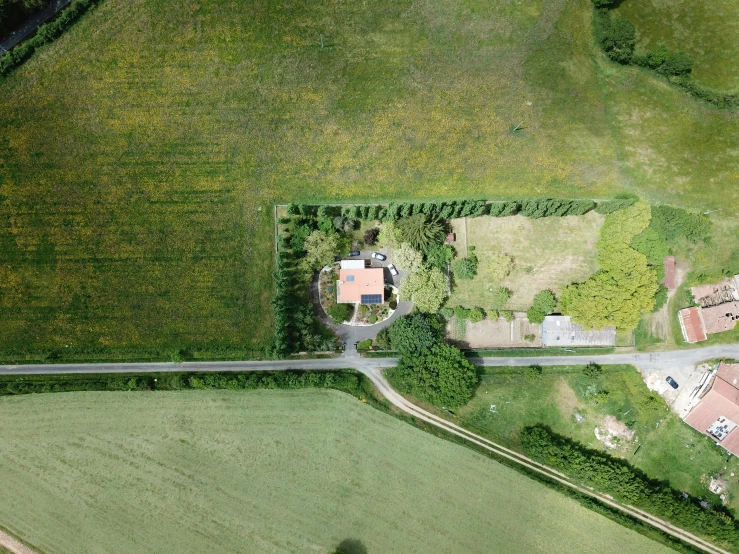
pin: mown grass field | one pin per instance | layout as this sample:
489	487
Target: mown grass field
708	31
561	392
548	253
270	471
137	150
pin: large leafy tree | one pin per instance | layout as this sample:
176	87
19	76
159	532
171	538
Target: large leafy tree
625	286
390	235
415	334
426	288
466	268
442	376
320	249
408	258
421	231
498	266
439	255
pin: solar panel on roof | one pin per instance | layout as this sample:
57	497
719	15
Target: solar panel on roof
371	299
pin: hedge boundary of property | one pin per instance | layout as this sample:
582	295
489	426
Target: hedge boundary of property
46	33
629	485
346	380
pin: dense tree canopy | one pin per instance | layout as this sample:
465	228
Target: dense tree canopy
408	258
466	268
498	266
415	334
426	288
443	376
421	231
390	235
439	255
625	286
321	248
340	313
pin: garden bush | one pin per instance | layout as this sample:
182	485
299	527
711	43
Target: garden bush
544	303
476	315
466	268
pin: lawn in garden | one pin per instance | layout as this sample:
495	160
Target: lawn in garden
548	253
272	471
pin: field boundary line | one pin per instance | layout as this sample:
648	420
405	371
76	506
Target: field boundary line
14	545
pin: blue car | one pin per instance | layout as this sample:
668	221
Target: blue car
354	253
672	382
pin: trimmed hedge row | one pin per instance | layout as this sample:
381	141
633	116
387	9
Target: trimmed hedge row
345	380
627	484
451	209
44	34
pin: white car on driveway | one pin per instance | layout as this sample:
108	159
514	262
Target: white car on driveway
393	269
378	256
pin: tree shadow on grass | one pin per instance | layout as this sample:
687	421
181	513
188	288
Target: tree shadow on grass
351	546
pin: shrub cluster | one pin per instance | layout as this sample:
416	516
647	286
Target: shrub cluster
45	33
544	303
627	484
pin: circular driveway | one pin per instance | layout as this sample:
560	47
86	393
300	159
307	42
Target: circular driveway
350	334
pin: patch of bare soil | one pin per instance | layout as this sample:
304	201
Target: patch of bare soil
567	401
660	322
614	434
501	334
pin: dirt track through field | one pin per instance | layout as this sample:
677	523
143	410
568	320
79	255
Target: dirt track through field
14	545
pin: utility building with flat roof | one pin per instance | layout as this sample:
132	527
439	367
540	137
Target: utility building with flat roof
559	330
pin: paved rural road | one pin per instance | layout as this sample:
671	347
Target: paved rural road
372	368
351	360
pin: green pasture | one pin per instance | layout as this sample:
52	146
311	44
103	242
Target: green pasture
668	448
270	471
707	31
141	152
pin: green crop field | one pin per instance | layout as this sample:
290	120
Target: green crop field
670	449
141	152
708	31
266	471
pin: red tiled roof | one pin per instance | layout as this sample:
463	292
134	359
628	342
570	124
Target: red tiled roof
669	280
721	400
354	283
692	324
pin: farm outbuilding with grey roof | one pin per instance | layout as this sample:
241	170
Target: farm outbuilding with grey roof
559	330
